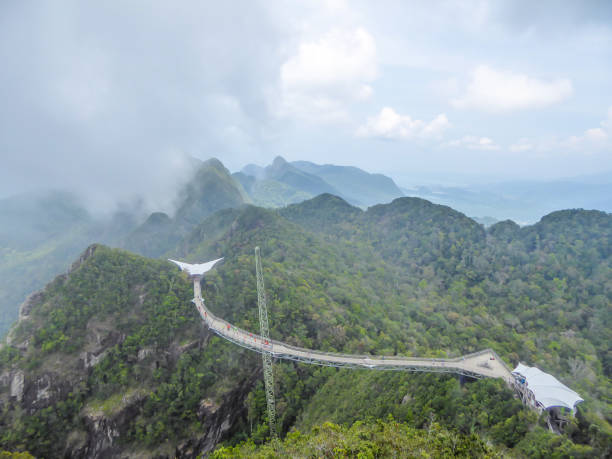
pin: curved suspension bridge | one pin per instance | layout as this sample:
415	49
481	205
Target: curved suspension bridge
483	364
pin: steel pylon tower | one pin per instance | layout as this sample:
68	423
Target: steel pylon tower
265	335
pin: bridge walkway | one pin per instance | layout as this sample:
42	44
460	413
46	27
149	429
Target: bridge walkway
483	364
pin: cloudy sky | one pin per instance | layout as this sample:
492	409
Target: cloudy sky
107	97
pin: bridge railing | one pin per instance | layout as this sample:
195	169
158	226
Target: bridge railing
227	328
387	358
255	341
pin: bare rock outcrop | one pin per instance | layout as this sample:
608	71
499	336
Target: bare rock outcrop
17	385
218	420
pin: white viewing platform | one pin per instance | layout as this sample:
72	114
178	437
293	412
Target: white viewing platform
544	391
196	270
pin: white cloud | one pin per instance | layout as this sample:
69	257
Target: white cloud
329	73
591	140
522	145
607	123
389	124
336	6
595	135
496	91
472	142
338	57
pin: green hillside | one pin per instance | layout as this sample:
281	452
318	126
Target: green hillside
212	188
380	439
115	360
41	234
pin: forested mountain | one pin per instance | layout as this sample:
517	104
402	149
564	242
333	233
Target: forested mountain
283	183
380	439
212	188
112	358
41	234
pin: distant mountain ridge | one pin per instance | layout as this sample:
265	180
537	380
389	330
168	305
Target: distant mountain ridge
523	201
283	183
360	187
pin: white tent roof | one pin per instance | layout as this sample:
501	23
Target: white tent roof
196	269
547	389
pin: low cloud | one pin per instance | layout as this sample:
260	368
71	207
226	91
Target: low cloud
492	90
389	124
607	123
472	142
521	146
327	73
593	138
596	135
106	99
590	141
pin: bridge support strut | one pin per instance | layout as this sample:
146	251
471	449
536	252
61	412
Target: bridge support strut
265	336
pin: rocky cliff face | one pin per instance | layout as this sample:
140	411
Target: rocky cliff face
220	420
92	356
100	435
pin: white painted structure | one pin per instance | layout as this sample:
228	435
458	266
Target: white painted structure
196	269
548	392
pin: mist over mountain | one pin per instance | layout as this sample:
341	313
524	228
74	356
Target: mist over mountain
40	236
212	188
41	233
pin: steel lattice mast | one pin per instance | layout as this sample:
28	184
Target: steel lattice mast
265	336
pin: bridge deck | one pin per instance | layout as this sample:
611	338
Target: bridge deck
483	364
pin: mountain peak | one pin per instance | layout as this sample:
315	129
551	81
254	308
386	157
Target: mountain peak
213	163
279	161
212	189
278	165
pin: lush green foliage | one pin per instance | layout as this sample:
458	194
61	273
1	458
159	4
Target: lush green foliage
406	278
365	440
40	235
145	300
9	455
